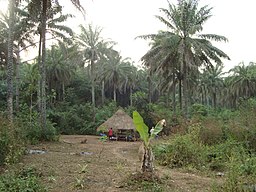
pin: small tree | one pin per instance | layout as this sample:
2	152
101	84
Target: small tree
142	128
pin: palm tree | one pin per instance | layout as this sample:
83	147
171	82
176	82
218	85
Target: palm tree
92	44
39	10
104	56
10	62
212	83
116	72
29	85
243	80
61	65
131	81
188	49
22	35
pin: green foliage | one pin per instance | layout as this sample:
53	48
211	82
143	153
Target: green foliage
11	144
144	183
212	131
25	129
143	130
230	156
31	131
158	111
105	112
3	94
198	110
103	138
23	181
157	129
181	151
74	119
241	174
102	129
151	187
78	119
141	127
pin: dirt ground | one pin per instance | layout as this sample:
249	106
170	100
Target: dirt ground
72	165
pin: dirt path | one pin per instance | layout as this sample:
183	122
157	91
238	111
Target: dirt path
70	165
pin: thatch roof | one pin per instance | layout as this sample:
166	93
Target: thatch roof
120	120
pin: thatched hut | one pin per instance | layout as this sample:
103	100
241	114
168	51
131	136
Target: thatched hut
122	125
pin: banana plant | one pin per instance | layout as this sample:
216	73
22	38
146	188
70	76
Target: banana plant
145	150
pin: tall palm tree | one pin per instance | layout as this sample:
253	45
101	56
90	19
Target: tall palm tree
39	10
29	85
10	62
131	81
106	53
60	67
116	72
212	83
188	49
243	80
92	44
21	36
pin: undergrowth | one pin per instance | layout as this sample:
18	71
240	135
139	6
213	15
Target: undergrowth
25	180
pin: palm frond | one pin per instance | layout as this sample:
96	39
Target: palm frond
213	37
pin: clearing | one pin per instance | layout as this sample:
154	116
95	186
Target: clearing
73	165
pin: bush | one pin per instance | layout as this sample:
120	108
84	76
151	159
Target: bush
182	151
23	181
11	144
212	131
72	119
24	130
198	110
78	119
31	131
241	174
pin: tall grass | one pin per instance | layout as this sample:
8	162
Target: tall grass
221	141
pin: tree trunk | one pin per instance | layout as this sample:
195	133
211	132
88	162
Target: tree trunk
185	88
43	70
168	97
147	160
39	61
10	62
174	95
63	91
18	80
103	92
114	92
131	100
149	88
93	86
215	98
180	93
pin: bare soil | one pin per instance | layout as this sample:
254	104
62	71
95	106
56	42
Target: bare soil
73	165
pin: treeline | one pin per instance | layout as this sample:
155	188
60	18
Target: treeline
79	81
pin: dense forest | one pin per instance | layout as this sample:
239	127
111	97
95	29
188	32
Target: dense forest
75	84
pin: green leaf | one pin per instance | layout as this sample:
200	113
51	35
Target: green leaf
141	127
158	128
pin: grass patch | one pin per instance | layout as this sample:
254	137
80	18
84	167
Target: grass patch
144	182
22	181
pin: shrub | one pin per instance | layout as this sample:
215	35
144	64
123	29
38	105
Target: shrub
241	175
212	131
32	132
198	110
182	151
72	119
23	181
11	145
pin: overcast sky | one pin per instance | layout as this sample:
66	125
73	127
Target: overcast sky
123	20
